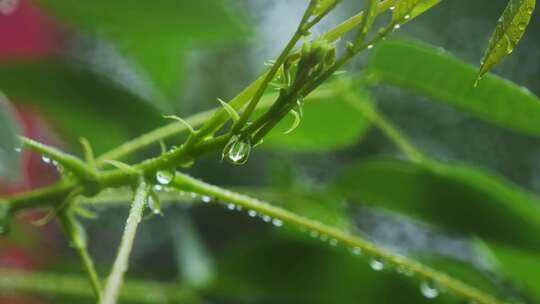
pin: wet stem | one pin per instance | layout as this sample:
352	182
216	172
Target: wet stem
120	266
93	181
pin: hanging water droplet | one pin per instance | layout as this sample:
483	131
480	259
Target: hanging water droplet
429	290
266	218
18	149
252	213
406	17
158	188
165	177
356	250
277	222
153	203
392	7
397	26
370	46
324	237
206	199
193	194
46	159
237	149
314	233
376	264
238	207
333	242
231	206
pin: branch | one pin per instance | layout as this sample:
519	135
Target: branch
120	266
77	238
76	286
355	242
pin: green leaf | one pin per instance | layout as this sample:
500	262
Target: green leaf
432	71
454	196
522	267
327	123
9	158
78	102
153	34
510	28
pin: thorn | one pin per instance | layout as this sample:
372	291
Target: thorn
122	166
295	123
88	152
163	146
185	123
230	110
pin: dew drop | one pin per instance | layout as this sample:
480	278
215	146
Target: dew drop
46	159
356	250
193	194
429	290
237	150
406	17
314	233
266	218
277	222
153	204
231	206
238	207
164	177
392	7
206	199
397	26
324	237
158	188
18	149
370	46
333	242
376	264
252	213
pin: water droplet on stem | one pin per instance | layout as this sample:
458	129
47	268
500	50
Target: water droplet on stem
376	264
165	177
429	290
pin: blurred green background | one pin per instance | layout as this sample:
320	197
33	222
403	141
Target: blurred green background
108	70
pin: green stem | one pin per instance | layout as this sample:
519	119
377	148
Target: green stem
70	162
219	116
76	286
422	271
383	124
299	33
78	240
120	266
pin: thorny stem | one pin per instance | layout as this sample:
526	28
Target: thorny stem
219	116
276	113
300	32
120	266
187	183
